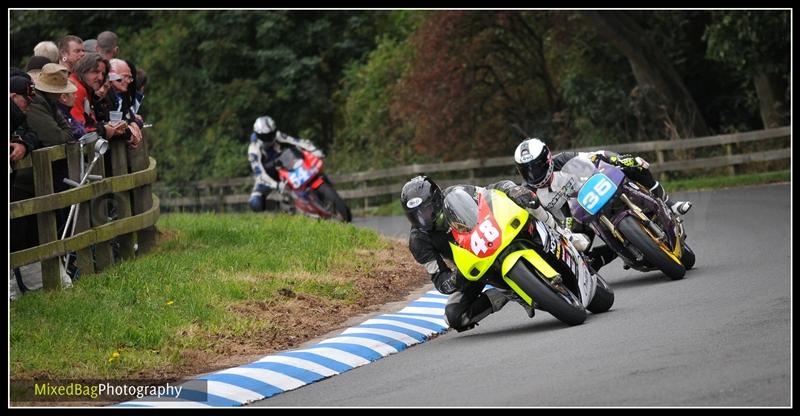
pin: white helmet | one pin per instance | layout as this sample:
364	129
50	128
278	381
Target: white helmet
534	162
264	128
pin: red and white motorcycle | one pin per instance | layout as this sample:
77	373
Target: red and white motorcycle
310	190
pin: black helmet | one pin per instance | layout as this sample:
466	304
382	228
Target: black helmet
422	202
534	162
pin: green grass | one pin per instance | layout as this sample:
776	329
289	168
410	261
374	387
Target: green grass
727	181
179	296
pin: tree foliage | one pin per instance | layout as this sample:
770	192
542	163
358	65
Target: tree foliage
382	88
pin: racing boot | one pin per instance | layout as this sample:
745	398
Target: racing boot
580	241
678	207
511	295
599	257
488	302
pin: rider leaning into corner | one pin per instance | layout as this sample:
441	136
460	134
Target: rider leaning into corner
423	204
266	144
536	165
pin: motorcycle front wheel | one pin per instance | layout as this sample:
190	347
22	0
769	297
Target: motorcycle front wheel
340	209
654	252
688	257
553	298
603	297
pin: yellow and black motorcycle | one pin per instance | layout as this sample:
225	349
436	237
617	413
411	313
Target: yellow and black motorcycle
495	235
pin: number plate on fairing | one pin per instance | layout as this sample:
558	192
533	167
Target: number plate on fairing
596	192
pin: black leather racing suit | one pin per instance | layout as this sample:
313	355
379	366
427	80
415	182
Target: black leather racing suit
468	303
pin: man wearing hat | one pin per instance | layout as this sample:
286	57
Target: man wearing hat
46	120
43	115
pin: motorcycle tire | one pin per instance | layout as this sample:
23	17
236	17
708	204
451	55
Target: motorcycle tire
688	257
339	206
603	297
556	300
653	252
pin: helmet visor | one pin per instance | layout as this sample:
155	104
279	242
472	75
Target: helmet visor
423	216
267	138
460	210
534	173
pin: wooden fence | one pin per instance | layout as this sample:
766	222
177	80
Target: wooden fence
137	209
221	195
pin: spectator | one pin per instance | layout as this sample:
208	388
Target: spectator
141	83
21	93
121	80
65	102
122	83
36	63
47	49
71	50
90	73
107	45
23	139
102	102
90	45
48	123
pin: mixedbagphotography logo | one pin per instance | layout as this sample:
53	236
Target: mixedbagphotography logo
105	390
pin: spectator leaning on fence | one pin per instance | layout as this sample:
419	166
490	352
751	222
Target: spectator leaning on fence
90	74
50	126
23	138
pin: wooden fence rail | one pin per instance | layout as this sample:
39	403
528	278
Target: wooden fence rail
128	183
221	194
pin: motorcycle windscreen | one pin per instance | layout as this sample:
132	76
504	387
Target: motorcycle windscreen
292	160
461	210
596	193
474	226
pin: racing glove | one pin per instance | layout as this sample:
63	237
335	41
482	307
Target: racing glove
569	224
629	161
449	284
524	197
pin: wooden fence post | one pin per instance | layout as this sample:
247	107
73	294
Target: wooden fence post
103	255
46	221
84	259
119	166
142	196
729	152
662	177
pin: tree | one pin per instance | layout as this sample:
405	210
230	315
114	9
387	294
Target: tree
367	136
655	75
479	82
756	42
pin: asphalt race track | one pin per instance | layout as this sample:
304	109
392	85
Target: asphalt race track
719	337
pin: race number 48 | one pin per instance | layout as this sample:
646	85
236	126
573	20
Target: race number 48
490	233
600	189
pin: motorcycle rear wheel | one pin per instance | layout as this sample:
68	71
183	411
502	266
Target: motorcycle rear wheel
555	299
653	252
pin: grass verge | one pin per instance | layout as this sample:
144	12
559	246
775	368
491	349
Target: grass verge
217	290
727	181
